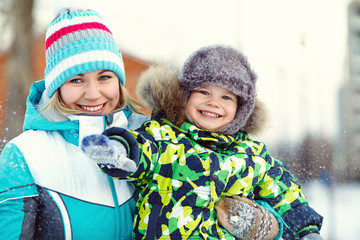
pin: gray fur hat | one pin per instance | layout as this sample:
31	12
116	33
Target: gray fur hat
225	67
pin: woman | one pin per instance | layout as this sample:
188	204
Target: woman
48	188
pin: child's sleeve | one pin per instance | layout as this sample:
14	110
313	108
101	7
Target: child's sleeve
140	148
280	189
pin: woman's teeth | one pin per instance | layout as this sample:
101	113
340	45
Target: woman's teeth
92	109
210	114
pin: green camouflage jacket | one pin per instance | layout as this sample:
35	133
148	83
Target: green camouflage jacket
182	172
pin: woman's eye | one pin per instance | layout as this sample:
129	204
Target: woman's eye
76	80
104	78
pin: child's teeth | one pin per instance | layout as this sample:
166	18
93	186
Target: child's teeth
210	114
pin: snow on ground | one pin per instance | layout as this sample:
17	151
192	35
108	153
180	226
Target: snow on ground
339	207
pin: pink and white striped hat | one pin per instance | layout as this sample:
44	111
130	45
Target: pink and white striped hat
78	41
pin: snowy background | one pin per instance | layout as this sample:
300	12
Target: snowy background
298	49
339	207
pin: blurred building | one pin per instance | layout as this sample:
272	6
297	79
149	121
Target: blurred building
349	105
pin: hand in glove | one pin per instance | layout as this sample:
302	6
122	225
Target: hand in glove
245	219
106	152
312	236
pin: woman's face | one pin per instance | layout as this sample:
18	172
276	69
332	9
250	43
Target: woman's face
95	92
211	107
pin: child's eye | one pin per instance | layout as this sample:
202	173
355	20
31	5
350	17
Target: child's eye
203	92
227	98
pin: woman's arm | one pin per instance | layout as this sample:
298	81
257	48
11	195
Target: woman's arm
18	207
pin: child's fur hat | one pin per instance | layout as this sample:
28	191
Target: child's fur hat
159	88
225	67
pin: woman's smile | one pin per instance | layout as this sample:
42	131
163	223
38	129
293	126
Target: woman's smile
95	92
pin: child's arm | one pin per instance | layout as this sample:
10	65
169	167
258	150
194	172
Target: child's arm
245	219
280	190
116	155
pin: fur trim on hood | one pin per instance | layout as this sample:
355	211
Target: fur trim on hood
158	87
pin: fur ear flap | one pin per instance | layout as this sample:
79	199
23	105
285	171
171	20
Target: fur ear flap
159	88
258	119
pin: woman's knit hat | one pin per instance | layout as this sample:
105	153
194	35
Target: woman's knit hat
78	41
225	67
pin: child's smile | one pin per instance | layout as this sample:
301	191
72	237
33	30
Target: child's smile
209	114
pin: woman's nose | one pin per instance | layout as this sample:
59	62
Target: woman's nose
92	91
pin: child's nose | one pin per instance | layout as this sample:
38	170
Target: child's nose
213	102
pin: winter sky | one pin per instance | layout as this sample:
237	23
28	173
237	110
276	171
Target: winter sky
297	48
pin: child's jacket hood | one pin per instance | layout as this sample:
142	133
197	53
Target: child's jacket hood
159	88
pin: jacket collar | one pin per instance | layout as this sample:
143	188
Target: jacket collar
209	139
96	124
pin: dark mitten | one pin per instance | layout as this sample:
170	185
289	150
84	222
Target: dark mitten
106	152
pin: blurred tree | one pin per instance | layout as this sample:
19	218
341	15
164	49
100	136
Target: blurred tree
4	22
315	159
309	159
19	16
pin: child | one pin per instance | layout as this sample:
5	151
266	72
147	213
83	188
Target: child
195	152
49	189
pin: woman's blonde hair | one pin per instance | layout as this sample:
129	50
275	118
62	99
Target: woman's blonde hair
57	105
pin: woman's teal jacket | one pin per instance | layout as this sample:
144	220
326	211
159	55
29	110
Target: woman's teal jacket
50	190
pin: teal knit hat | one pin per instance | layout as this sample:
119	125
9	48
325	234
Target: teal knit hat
77	41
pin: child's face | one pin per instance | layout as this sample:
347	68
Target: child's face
211	107
95	92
